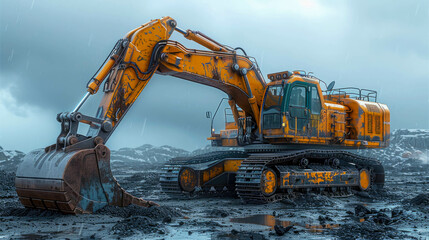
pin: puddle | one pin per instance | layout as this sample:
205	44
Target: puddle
271	221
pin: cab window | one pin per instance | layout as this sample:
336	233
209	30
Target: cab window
297	97
273	97
271	111
316	106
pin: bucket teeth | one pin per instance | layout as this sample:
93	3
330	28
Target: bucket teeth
73	182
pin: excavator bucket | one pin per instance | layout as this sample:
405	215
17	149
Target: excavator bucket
71	182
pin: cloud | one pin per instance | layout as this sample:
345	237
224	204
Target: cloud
25	127
49	50
9	103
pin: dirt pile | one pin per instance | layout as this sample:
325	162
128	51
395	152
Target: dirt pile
383	216
366	230
140	219
129	226
421	200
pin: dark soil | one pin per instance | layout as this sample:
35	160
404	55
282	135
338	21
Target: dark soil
217	213
238	235
155	213
130	225
421	200
400	211
309	200
367	230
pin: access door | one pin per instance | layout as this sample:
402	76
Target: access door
298	108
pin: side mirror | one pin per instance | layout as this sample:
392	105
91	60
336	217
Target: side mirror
330	86
208	114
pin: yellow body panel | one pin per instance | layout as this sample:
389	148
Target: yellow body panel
342	122
230	165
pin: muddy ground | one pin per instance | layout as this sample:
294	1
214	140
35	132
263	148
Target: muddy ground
401	211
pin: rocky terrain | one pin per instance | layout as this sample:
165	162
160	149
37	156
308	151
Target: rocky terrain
400	211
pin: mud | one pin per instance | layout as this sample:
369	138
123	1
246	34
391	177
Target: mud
131	225
217	213
155	213
309	200
400	211
367	230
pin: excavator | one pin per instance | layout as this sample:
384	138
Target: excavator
288	135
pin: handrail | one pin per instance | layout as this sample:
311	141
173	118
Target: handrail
214	115
353	92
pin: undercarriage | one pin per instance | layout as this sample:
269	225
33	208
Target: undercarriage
270	177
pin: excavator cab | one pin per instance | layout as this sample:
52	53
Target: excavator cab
292	102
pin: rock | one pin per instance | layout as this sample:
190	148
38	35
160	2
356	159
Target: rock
362	194
367	230
216	213
381	218
406	154
324	219
361	210
167	219
280	230
396	213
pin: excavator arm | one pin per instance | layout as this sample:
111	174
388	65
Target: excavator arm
73	175
147	50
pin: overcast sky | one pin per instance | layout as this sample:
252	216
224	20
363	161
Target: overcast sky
49	50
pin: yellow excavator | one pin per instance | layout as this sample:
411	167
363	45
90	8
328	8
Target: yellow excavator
290	134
